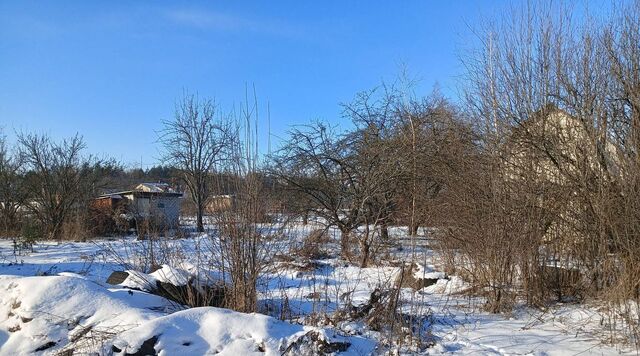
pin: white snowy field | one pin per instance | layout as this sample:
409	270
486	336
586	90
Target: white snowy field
55	301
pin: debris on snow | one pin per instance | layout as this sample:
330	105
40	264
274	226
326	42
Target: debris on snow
413	276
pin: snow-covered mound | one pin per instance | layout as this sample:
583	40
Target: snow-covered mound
452	285
49	312
56	314
210	330
175	276
427	272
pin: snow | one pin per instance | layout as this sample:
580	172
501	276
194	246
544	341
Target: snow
427	272
154	187
209	330
168	274
40	310
139	280
147	282
58	294
558	332
47	309
452	285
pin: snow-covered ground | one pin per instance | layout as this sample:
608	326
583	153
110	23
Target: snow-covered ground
56	299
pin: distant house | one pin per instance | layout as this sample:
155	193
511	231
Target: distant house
552	141
554	152
156	202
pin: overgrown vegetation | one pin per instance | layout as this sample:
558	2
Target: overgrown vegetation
530	186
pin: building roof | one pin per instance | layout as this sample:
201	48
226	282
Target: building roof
110	195
146	190
155	188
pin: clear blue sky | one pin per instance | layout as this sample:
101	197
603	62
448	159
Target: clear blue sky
112	70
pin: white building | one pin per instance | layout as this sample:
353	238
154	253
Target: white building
152	201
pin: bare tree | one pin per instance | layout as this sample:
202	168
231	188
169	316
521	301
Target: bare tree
347	181
12	191
195	141
316	162
378	158
59	179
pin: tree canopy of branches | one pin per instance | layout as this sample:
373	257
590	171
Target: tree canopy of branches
58	179
11	189
316	163
557	177
389	168
195	141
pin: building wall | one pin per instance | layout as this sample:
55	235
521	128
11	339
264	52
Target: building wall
574	149
164	208
219	203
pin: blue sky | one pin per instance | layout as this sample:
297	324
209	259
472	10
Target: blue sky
112	70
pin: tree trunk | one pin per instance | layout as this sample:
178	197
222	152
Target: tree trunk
55	229
199	214
199	221
384	231
55	234
365	248
345	244
414	229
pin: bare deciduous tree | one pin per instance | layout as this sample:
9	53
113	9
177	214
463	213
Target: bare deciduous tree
12	192
316	162
195	141
59	179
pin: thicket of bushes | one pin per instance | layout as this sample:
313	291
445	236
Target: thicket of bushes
531	183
